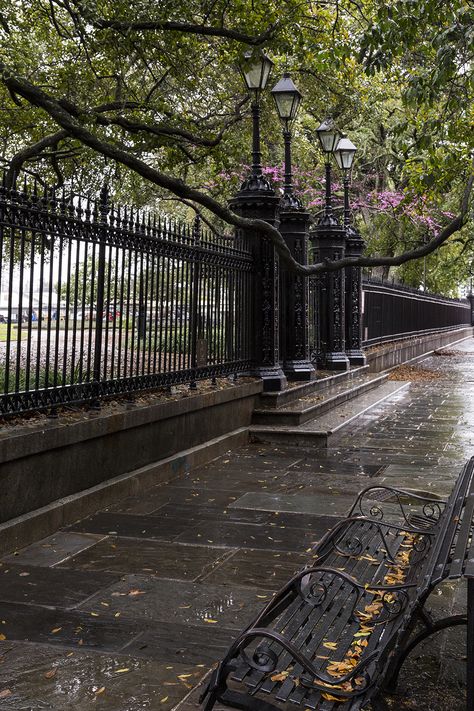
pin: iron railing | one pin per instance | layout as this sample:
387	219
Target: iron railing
98	300
394	312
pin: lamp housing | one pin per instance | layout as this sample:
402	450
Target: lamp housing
328	135
287	99
344	153
255	69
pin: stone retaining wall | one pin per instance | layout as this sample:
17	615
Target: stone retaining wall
389	355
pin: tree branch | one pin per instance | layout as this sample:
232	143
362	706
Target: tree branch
172	26
29	152
187	28
74	128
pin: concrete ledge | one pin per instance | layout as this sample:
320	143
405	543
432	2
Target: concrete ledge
49	460
25	529
389	355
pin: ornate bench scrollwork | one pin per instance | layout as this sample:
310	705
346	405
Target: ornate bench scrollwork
430	509
347	540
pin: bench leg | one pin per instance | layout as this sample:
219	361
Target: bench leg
470	645
431	628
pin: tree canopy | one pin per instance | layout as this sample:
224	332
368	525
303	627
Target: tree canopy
148	95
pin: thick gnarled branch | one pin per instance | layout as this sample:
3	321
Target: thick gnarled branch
203	30
29	152
69	122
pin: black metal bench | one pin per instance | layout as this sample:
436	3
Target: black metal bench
340	629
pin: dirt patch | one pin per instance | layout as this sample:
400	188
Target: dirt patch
414	373
74	413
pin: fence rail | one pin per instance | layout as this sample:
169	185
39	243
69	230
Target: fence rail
395	312
97	300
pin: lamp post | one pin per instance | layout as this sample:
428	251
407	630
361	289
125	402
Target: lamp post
287	100
328	136
471	295
329	245
255	69
256	199
344	154
294	343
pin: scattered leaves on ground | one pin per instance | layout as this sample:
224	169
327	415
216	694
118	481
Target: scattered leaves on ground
414	373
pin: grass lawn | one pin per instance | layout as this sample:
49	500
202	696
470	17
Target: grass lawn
13	333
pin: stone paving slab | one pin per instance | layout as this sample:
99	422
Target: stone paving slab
50	586
182	602
54	549
66	628
247	535
129	555
40	677
257	569
132	526
296	503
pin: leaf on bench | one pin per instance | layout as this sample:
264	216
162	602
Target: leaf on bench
280	676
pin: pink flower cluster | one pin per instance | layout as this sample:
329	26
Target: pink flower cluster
310	186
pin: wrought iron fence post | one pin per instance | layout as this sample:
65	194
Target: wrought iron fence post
353	278
102	235
471	301
294	338
257	199
195	268
329	243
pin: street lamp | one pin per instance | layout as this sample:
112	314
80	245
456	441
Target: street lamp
344	154
328	136
287	101
255	69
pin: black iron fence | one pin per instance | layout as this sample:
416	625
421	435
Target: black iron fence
97	300
392	312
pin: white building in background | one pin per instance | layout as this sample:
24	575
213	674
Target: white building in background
10	302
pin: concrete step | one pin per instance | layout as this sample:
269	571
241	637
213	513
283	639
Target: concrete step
315	404
324	379
317	431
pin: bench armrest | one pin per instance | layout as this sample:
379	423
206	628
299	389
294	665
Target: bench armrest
264	659
373	508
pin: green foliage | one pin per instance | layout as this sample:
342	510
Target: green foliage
397	76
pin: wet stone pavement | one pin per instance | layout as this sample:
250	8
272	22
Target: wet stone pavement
130	608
